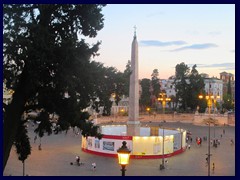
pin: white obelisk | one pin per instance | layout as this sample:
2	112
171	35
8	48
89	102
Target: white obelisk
133	124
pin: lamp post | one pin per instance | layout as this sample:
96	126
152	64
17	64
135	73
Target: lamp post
123	157
210	99
163	98
215	106
162	165
209	103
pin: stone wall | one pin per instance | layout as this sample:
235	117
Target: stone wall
197	118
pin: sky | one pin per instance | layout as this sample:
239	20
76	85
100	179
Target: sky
169	34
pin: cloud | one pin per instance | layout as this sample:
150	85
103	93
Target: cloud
221	66
196	47
214	33
160	43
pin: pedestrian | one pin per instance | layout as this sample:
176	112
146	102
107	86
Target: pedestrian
213	166
206	161
232	142
189	146
94	166
223	131
35	138
221	135
78	160
39	147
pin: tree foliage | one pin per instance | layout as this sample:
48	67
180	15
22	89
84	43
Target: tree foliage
145	99
181	74
196	86
45	57
155	87
22	143
227	98
155	83
188	85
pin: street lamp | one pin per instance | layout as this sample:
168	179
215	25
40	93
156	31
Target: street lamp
163	98
148	110
162	165
210	98
209	103
215	106
123	157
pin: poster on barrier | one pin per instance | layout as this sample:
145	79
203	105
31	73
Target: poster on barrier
108	145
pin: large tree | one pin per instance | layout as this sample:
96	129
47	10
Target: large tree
181	84
155	87
188	85
45	59
227	97
196	87
145	99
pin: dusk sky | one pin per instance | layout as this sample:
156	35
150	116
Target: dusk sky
168	34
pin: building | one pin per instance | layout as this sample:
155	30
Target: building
225	77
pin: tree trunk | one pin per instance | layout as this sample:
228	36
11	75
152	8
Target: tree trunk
23	168
14	112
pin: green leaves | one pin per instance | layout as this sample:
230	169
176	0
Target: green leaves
44	58
188	85
22	142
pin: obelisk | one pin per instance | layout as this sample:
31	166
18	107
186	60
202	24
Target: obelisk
133	124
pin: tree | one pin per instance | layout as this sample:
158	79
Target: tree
22	144
145	96
126	78
227	98
44	59
181	86
196	86
155	84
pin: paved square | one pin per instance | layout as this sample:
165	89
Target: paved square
58	151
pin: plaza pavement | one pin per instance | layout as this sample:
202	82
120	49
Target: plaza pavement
61	149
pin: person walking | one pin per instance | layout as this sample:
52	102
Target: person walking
35	138
213	167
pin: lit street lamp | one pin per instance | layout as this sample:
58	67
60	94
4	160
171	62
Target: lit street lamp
148	110
210	99
123	157
209	103
163	98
